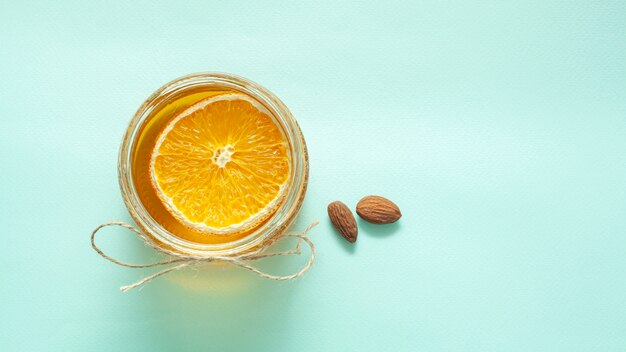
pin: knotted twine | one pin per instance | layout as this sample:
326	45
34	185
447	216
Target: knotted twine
185	260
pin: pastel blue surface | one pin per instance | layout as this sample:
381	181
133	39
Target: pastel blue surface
498	127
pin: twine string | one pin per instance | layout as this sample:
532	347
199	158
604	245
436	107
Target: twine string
183	260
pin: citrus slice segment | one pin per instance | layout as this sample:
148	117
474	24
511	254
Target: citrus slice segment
221	165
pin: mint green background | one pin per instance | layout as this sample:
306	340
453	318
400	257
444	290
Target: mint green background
499	127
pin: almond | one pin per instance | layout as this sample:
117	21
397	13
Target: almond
341	216
378	210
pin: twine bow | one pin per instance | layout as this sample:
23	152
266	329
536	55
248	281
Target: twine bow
182	261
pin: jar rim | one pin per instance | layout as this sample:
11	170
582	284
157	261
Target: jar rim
280	219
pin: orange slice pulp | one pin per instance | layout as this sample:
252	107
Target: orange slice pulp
221	166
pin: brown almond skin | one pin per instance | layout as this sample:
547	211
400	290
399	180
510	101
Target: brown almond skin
341	216
378	210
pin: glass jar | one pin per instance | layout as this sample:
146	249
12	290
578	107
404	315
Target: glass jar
165	98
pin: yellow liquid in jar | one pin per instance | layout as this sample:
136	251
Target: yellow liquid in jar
141	173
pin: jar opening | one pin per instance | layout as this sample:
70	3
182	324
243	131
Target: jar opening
149	121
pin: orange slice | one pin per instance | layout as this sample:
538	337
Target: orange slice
221	166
